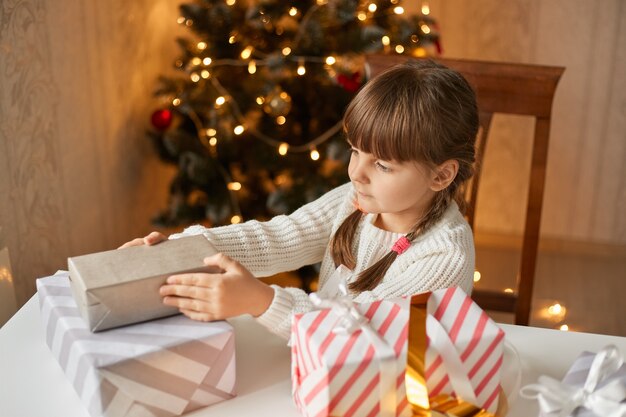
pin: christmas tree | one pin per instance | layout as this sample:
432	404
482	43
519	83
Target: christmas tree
254	122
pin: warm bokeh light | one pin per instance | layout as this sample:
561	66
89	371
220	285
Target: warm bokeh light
293	11
564	328
207	61
398	10
245	54
220	100
330	60
176	102
205	74
399	49
425	9
385	40
476	276
238	130
234	186
286	50
372	7
211	132
315	155
283	148
213	141
194	77
301	69
281	120
508	290
235	219
202	46
252	67
196	61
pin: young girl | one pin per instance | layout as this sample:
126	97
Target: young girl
396	225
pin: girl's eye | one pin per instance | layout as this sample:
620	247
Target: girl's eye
382	167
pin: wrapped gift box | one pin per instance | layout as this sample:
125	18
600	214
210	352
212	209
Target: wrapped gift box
594	386
119	287
165	367
340	374
461	355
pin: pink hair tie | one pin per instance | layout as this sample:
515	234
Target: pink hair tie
401	245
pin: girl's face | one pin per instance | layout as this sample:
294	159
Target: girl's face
400	192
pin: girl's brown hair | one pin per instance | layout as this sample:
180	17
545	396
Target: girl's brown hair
419	111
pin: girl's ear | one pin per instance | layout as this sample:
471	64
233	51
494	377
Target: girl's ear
444	174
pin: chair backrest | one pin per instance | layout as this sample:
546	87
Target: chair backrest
520	89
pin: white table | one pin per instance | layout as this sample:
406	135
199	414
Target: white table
32	384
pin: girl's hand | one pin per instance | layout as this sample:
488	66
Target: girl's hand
152	239
217	296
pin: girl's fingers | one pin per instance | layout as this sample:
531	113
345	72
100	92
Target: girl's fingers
153	238
188	291
224	262
135	242
187	304
200	279
194	315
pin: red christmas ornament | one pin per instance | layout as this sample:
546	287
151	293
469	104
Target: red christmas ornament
161	119
349	83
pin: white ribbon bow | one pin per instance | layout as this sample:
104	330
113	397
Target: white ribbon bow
555	396
351	320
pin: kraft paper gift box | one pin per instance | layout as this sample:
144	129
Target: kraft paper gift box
164	367
455	351
121	286
594	386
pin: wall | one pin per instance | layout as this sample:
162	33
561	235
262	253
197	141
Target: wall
77	173
585	195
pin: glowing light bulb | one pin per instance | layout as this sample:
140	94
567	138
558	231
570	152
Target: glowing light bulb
252	67
202	46
399	49
231	2
213	141
315	155
425	9
260	100
286	50
194	77
330	60
280	120
220	100
476	276
234	186
361	16
196	61
555	309
293	11
385	40
245	54
181	20
189	22
238	130
235	219
564	328
207	61
372	7
211	132
176	102
301	69
398	10
232	39
508	290
205	74
283	148
321	2
425	29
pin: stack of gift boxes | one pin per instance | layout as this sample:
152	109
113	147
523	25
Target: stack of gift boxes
431	354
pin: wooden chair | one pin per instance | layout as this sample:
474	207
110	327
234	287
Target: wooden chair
519	89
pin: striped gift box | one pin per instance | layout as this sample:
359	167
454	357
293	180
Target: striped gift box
339	374
464	344
165	367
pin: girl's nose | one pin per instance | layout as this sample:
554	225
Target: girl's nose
356	171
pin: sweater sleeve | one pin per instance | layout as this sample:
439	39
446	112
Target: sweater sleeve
281	244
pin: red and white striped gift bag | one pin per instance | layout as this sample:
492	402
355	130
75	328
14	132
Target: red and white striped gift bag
464	347
339	374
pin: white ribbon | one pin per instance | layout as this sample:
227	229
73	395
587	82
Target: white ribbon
351	320
557	397
440	341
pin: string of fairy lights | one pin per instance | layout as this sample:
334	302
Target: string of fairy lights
201	67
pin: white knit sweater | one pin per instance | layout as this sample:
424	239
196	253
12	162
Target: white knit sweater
440	258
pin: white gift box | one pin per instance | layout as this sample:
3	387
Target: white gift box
164	367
